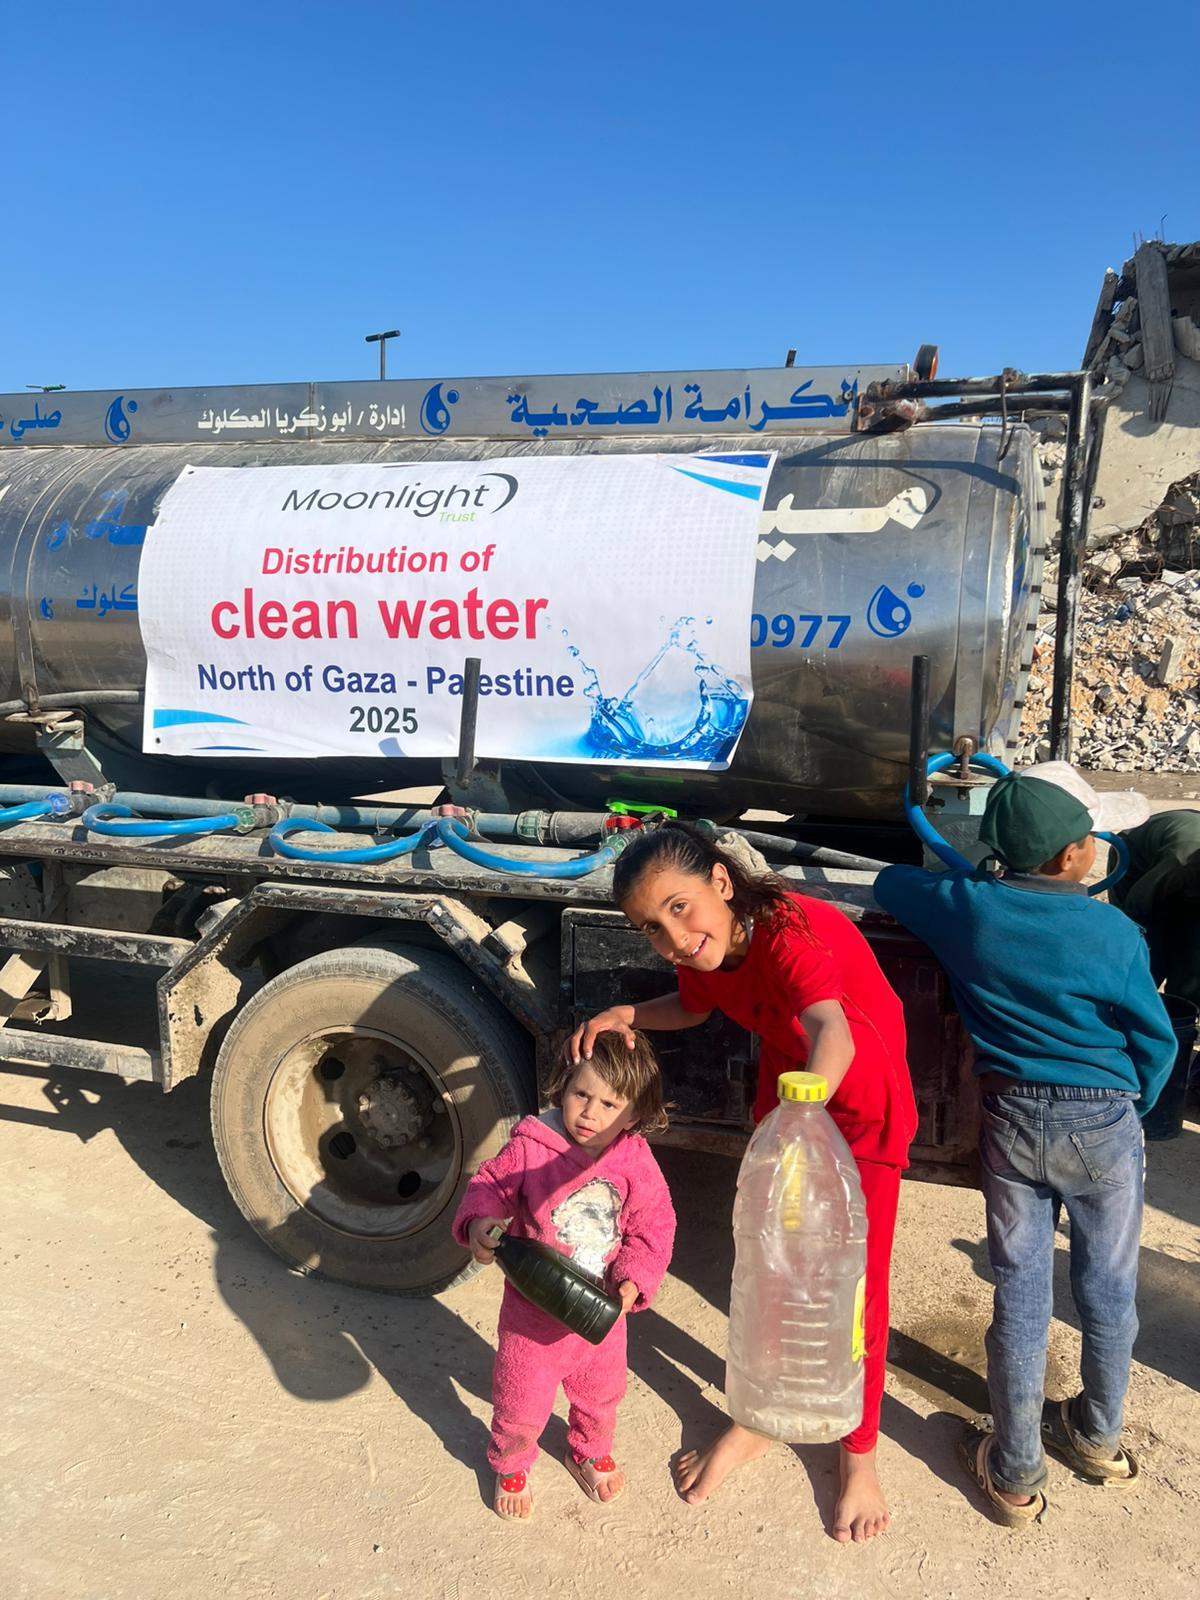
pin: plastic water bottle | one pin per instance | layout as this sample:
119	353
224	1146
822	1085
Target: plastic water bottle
795	1365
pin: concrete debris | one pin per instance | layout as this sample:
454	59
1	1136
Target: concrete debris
1180	506
1144	355
1187	337
1166	540
1136	700
1170	661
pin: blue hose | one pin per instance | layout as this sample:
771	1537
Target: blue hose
920	823
452	832
1122	866
52	807
448	831
388	851
99	819
928	834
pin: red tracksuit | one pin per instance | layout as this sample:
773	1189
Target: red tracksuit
816	953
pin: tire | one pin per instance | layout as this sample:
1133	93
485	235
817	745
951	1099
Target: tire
351	1101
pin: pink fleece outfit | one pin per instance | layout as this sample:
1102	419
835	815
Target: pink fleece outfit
612	1216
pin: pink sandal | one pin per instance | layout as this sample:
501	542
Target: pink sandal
603	1466
515	1483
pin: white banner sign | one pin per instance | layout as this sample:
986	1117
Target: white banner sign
329	610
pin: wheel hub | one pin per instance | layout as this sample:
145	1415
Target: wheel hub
393	1112
360	1134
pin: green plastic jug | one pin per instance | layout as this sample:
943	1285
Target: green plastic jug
549	1281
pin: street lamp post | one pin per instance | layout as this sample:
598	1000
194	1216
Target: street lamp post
381	339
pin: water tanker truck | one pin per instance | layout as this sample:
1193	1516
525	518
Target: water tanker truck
375	981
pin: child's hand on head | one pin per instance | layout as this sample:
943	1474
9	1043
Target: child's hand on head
627	1293
482	1247
617	1019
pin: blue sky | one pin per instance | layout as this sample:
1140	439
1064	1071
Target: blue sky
198	196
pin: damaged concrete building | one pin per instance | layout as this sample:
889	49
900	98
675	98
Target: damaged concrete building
1136	700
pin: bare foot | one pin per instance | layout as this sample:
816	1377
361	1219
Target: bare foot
861	1509
699	1473
602	1478
514	1498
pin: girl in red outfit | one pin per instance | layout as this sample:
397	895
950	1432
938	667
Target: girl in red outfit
798	973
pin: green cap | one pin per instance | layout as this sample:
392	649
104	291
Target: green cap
1027	821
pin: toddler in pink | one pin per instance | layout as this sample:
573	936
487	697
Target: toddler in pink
582	1179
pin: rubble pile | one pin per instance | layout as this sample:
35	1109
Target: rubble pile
1136	700
1119	347
1050	442
1169	537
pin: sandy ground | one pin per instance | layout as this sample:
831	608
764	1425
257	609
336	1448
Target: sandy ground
184	1418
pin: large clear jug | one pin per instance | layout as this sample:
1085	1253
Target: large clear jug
795	1365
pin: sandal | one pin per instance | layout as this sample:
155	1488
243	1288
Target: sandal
603	1466
1085	1461
512	1483
973	1449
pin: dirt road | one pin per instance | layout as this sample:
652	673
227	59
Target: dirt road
182	1418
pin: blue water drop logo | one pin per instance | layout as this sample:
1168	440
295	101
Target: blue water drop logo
888	615
116	423
435	412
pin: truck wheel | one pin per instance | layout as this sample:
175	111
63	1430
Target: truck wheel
352	1099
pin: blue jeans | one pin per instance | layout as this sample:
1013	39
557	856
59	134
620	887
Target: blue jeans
1045	1147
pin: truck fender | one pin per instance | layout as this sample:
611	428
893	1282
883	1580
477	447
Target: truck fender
199	996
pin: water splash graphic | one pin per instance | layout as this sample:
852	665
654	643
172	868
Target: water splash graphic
681	706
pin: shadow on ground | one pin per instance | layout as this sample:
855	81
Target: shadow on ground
323	1340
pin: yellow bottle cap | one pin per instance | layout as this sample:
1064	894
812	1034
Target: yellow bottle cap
809	1086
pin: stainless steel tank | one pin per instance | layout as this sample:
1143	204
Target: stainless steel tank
871	549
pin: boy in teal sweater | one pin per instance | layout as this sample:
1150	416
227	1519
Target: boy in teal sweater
1072	1044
